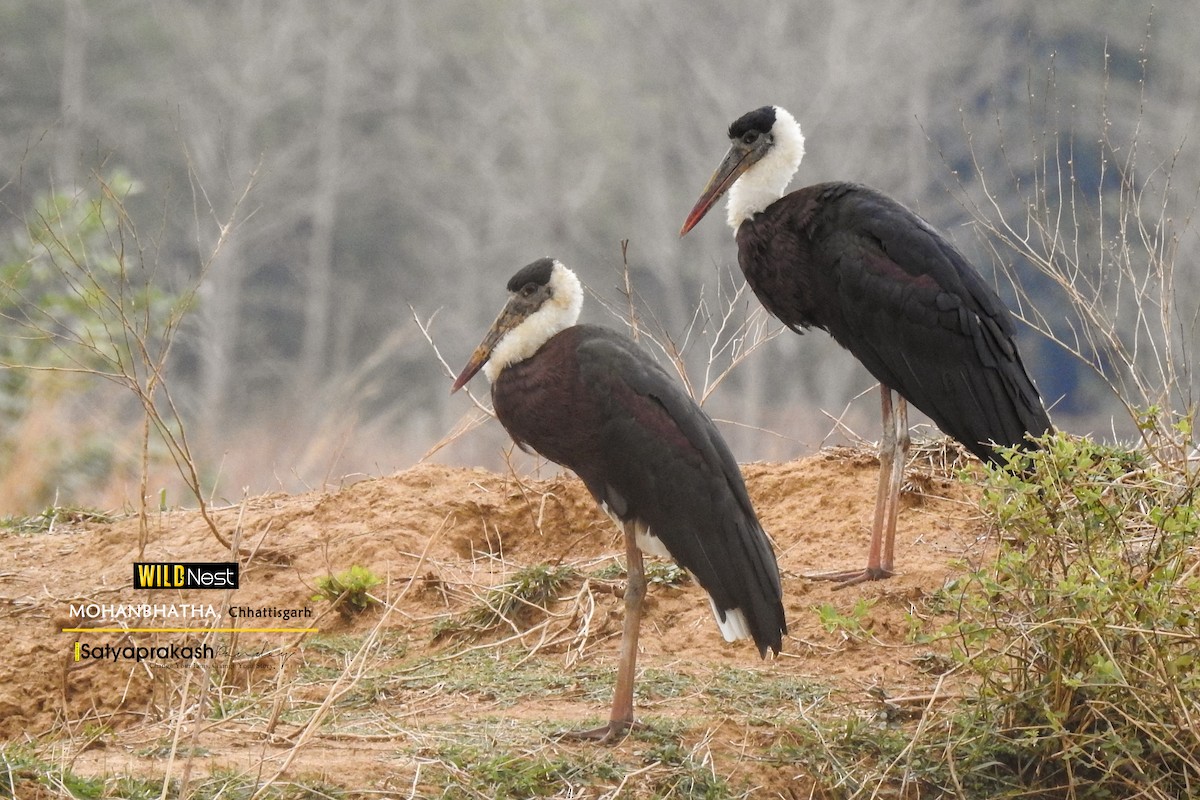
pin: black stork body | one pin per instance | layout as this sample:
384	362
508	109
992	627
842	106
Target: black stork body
890	289
591	400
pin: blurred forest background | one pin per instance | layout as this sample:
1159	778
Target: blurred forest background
280	183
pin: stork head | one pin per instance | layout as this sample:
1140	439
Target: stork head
543	298
765	148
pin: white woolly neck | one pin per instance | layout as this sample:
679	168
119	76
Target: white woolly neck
765	182
558	313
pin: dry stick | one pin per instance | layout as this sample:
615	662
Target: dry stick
177	444
583	633
424	554
179	449
191	475
746	337
737	341
127	374
1104	343
277	707
565	632
132	336
183	704
634	332
280	696
906	753
355	671
205	675
425	331
143	487
465	424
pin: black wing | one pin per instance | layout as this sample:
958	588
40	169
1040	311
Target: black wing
671	469
909	306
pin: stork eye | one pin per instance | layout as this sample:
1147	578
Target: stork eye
528	290
750	137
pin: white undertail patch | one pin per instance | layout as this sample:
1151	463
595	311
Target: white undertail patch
734	626
766	181
650	544
558	313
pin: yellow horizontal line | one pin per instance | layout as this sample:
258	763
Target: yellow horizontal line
191	630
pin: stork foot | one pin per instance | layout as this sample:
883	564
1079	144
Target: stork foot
610	733
851	577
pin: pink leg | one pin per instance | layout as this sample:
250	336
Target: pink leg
621	718
893	454
900	444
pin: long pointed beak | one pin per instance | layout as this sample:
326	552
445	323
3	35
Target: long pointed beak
478	359
509	318
736	161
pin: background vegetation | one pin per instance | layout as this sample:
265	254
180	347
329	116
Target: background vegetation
324	168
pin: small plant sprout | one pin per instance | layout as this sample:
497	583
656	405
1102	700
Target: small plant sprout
852	624
349	590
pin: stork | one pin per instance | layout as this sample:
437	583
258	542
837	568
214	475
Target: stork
889	288
591	400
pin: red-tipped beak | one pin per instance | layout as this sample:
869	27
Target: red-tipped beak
478	359
513	315
736	161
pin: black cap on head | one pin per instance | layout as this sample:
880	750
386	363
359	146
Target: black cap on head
538	272
760	119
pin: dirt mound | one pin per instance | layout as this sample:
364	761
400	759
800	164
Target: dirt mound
441	540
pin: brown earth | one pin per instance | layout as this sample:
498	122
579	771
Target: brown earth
382	703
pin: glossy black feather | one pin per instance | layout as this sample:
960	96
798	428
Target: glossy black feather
890	289
593	401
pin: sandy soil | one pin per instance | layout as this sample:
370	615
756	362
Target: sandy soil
374	702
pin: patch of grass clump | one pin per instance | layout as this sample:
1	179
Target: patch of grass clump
686	775
665	768
344	645
24	773
854	624
530	590
762	694
658	573
349	590
52	516
503	678
497	772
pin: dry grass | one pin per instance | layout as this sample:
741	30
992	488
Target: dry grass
467	715
475	714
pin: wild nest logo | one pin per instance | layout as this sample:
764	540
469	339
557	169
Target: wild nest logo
192	619
185	575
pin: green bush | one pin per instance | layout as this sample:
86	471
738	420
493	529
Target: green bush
1083	638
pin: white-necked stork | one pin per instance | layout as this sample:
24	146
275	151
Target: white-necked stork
889	288
592	400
